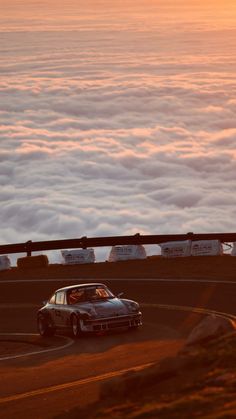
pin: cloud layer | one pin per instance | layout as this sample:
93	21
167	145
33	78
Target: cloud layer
117	119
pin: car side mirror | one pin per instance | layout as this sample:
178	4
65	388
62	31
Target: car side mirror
120	294
44	302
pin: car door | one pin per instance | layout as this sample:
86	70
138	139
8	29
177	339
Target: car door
58	309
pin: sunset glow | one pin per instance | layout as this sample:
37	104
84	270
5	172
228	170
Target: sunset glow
117	114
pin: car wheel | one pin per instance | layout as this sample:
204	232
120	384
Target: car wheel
44	328
75	326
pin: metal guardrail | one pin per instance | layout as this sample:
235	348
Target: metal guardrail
85	242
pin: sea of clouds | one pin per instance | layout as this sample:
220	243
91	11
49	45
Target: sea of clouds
116	118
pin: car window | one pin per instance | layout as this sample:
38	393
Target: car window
76	295
98	293
60	297
102	292
52	299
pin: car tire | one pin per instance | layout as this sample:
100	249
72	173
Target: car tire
44	329
75	326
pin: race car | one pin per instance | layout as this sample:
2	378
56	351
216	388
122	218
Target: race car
87	308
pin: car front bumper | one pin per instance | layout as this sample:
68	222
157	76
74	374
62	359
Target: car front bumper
111	323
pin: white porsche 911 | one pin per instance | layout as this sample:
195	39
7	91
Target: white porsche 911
87	308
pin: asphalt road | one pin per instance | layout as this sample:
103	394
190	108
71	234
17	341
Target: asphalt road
43	385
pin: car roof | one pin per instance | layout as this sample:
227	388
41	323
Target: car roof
70	287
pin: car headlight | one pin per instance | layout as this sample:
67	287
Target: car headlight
134	307
85	316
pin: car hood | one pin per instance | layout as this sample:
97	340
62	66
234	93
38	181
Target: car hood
106	308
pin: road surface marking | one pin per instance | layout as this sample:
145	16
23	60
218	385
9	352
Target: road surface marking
108	375
76	280
192	309
72	384
57	348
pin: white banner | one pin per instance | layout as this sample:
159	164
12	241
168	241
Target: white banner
78	256
127	252
233	252
206	247
5	262
176	249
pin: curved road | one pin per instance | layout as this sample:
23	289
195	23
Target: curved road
43	385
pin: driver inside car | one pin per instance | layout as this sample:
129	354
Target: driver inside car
75	296
92	294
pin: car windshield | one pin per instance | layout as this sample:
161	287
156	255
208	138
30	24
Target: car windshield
92	293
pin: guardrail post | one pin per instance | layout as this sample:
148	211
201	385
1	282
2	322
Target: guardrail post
83	242
190	235
28	248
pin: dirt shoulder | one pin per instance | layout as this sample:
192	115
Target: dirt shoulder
154	267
